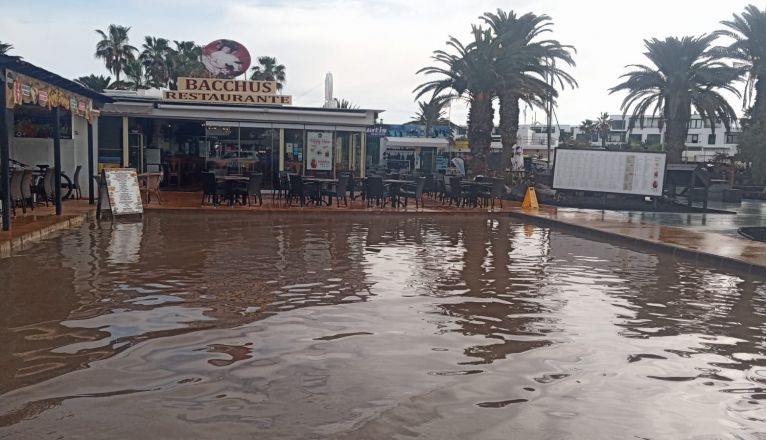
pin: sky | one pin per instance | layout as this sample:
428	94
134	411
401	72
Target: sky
373	48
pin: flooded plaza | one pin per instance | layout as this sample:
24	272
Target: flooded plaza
372	327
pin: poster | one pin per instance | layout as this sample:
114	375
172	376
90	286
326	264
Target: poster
124	193
622	172
319	151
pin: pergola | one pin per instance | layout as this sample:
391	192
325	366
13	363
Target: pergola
25	83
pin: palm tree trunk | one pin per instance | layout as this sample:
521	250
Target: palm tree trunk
675	139
759	104
509	126
480	120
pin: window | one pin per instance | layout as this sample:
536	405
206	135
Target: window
616	137
732	138
653	139
634	139
618	124
695	123
711	139
692	138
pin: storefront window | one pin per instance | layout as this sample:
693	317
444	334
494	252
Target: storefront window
342	151
223	146
294	151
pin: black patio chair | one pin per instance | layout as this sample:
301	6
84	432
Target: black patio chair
454	191
76	183
211	191
375	190
338	191
496	191
415	191
251	189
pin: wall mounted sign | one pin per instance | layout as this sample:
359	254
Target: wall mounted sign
319	151
27	90
231	91
225	58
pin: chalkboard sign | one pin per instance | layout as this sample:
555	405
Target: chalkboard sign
119	192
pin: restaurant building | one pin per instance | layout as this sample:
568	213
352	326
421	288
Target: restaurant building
182	138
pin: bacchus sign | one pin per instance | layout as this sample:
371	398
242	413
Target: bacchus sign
226	90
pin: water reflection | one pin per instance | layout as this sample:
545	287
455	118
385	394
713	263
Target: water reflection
329	326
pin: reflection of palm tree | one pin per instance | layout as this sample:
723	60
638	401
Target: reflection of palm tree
114	49
269	70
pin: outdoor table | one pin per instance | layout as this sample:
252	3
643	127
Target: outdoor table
229	181
395	186
473	190
322	182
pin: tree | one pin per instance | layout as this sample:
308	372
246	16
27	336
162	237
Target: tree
344	103
269	70
685	73
588	128
526	68
96	83
748	31
185	60
135	76
5	48
603	125
114	49
431	112
470	74
155	56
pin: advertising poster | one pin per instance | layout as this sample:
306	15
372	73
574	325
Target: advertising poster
319	151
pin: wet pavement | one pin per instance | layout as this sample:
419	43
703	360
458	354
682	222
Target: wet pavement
205	325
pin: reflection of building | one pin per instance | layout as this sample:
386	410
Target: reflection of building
186	138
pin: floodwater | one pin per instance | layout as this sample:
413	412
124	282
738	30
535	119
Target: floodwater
214	326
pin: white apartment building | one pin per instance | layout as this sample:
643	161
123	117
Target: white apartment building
702	142
533	138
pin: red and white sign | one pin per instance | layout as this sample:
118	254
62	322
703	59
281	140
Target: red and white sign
226	58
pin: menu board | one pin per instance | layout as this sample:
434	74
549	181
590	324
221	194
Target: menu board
622	172
319	150
123	191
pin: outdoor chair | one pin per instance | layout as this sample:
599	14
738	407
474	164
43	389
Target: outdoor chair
497	191
280	186
27	180
415	191
49	185
430	185
76	183
444	187
174	171
339	191
16	198
375	191
253	188
296	189
455	191
151	185
210	189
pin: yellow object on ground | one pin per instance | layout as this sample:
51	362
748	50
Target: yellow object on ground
530	199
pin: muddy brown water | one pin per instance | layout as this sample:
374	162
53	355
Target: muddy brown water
208	326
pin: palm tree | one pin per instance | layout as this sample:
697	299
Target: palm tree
135	76
155	59
343	103
685	73
749	47
603	124
431	112
268	70
5	48
185	60
114	48
97	83
526	66
588	127
470	74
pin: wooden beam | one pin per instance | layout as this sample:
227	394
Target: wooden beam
5	154
57	157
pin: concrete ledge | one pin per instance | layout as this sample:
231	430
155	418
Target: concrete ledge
23	241
706	258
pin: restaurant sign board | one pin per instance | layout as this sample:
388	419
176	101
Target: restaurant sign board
319	151
231	91
119	188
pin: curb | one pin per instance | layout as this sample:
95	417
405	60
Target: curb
23	241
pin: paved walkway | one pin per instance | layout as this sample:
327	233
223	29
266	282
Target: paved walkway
693	242
43	221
